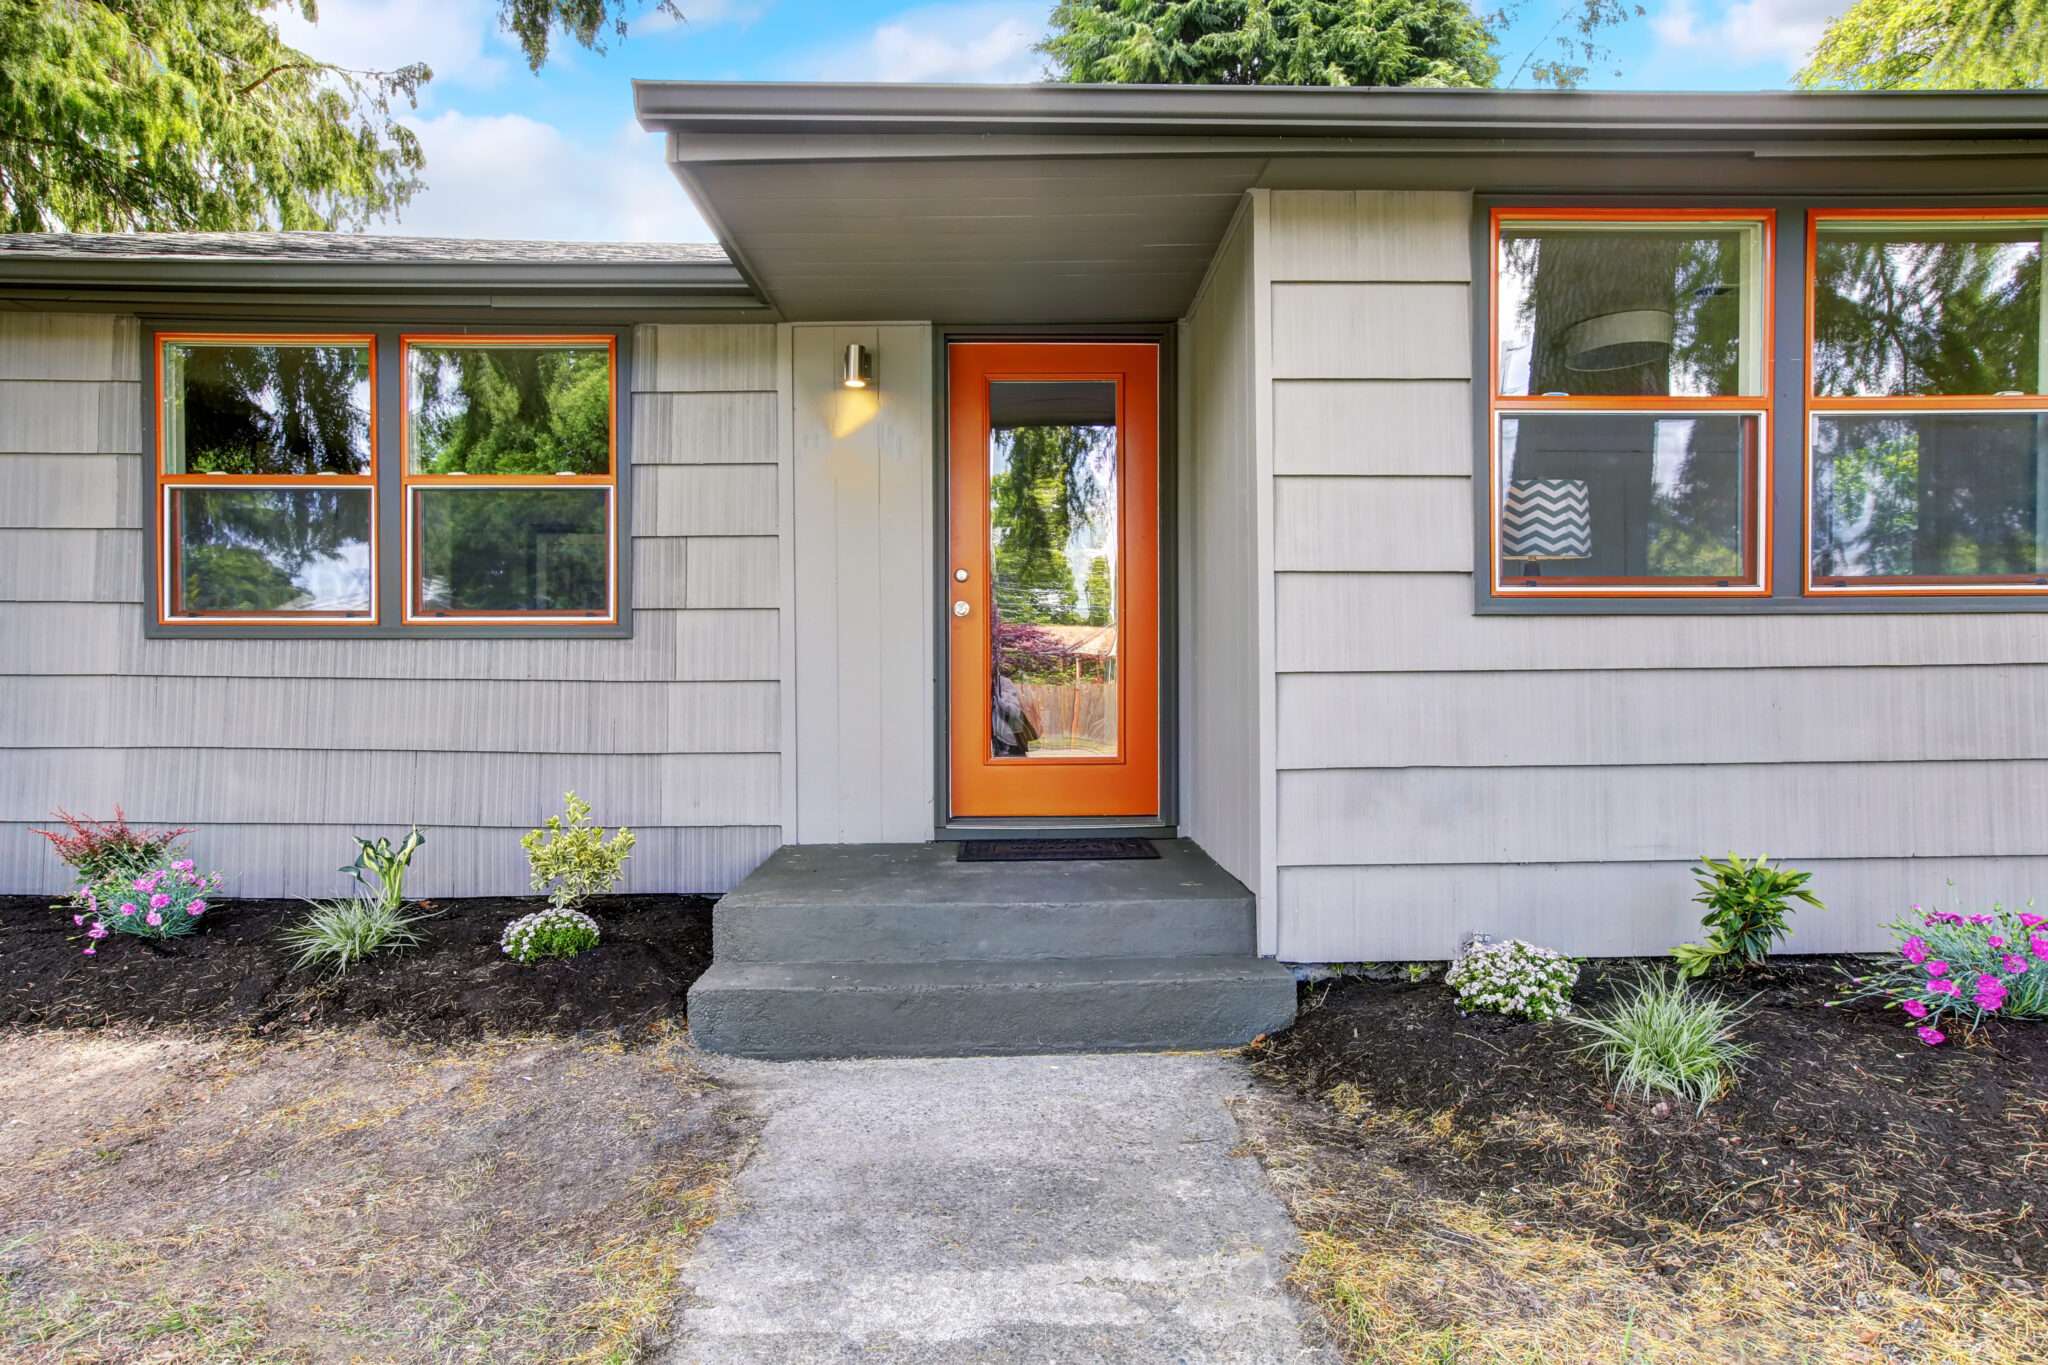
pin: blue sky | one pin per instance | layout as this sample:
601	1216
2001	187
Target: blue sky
512	154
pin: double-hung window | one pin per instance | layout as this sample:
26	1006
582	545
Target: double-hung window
1630	403
492	459
266	479
1928	425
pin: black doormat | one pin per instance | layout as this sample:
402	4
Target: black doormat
1053	850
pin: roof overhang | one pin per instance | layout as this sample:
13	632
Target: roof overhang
1072	203
199	286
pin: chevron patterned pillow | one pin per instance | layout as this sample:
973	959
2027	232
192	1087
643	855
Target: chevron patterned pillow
1546	519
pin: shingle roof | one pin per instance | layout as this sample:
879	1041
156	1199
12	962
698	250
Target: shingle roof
349	247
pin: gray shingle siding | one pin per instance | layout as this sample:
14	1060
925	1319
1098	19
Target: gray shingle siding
279	748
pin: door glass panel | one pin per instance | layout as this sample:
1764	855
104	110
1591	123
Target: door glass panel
1054	569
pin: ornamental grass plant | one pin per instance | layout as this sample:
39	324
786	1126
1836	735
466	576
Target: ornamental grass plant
1660	1038
336	936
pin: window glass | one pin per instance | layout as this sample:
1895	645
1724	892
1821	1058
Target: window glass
1927	309
488	550
264	550
1610	309
509	409
1929	495
270	408
1605	496
1053	562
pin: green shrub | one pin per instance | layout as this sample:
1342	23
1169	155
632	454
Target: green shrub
379	869
570	858
337	935
1663	1038
1749	906
554	932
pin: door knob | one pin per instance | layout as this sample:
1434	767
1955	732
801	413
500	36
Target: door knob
960	608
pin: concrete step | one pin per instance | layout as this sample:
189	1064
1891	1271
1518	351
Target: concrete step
918	903
956	1009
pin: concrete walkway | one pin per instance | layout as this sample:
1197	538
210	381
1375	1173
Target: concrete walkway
995	1209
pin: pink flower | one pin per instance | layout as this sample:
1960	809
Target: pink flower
1937	968
128	907
1995	941
159	900
182	865
144	883
1914	950
78	919
153	919
2032	921
1981	920
2013	963
1915	1008
1931	1035
98	931
2038	946
90	950
1990	993
1948	988
196	909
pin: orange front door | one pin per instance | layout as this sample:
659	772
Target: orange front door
1053	580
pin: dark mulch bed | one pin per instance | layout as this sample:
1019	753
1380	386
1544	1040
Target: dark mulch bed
234	974
1940	1155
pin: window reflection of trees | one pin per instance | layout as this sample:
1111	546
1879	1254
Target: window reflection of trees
1939	314
253	409
1049	487
510	410
255	550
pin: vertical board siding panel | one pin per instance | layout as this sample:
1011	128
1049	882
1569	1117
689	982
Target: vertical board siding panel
856	476
1371	235
684	358
70	346
1220	613
703	428
734	571
660	572
1372	331
67	417
816	542
1373	426
84	492
905	565
1373	525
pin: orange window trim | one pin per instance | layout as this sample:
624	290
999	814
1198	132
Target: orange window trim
414	611
1899	585
170	582
1756	579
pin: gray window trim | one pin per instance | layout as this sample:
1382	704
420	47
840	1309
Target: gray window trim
390	492
1788	431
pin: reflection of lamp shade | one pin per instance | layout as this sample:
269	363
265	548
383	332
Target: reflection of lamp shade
1619	341
1546	519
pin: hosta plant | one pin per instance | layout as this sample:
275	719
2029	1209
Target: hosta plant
1749	908
570	857
154	903
553	932
1513	977
379	869
1955	970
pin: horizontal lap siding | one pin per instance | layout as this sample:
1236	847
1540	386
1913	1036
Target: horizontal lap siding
280	748
1442	772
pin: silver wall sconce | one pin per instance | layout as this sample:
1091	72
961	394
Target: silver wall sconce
857	367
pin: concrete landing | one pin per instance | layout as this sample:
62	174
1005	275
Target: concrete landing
1073	1209
900	950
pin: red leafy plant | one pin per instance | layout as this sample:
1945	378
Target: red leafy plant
97	849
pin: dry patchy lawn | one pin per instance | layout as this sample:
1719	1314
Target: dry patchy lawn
346	1196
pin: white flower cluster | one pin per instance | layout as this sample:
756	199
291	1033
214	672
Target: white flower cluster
548	933
1513	977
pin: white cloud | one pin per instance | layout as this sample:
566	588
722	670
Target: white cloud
510	176
459	39
989	42
1747	30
